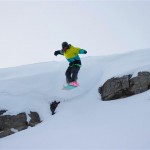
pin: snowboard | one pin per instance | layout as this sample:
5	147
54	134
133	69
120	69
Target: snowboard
69	87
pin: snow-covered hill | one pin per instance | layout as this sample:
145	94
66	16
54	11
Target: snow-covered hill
82	120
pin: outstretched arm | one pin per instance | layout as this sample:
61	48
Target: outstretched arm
82	51
58	52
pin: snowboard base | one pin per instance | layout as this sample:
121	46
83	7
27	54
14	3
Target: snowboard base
68	87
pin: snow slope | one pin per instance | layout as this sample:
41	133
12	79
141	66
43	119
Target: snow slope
82	120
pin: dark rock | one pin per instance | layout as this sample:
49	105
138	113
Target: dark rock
5	133
140	83
2	112
7	122
16	121
115	88
35	119
53	106
12	124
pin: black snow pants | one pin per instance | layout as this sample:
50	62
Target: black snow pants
72	73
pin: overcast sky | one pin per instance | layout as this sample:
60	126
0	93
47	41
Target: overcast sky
30	31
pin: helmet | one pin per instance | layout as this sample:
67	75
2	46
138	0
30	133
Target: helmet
65	44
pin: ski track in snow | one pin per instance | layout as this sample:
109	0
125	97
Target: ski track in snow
82	94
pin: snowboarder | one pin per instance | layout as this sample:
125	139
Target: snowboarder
71	54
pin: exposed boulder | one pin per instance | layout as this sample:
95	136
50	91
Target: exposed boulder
115	88
140	83
16	121
35	119
5	133
10	124
53	106
2	112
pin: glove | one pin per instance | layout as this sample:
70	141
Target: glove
85	51
82	51
56	53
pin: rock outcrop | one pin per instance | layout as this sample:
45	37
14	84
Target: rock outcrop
125	86
35	119
10	124
53	106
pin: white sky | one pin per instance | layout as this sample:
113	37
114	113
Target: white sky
30	31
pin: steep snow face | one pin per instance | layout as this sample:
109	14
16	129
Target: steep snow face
82	120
